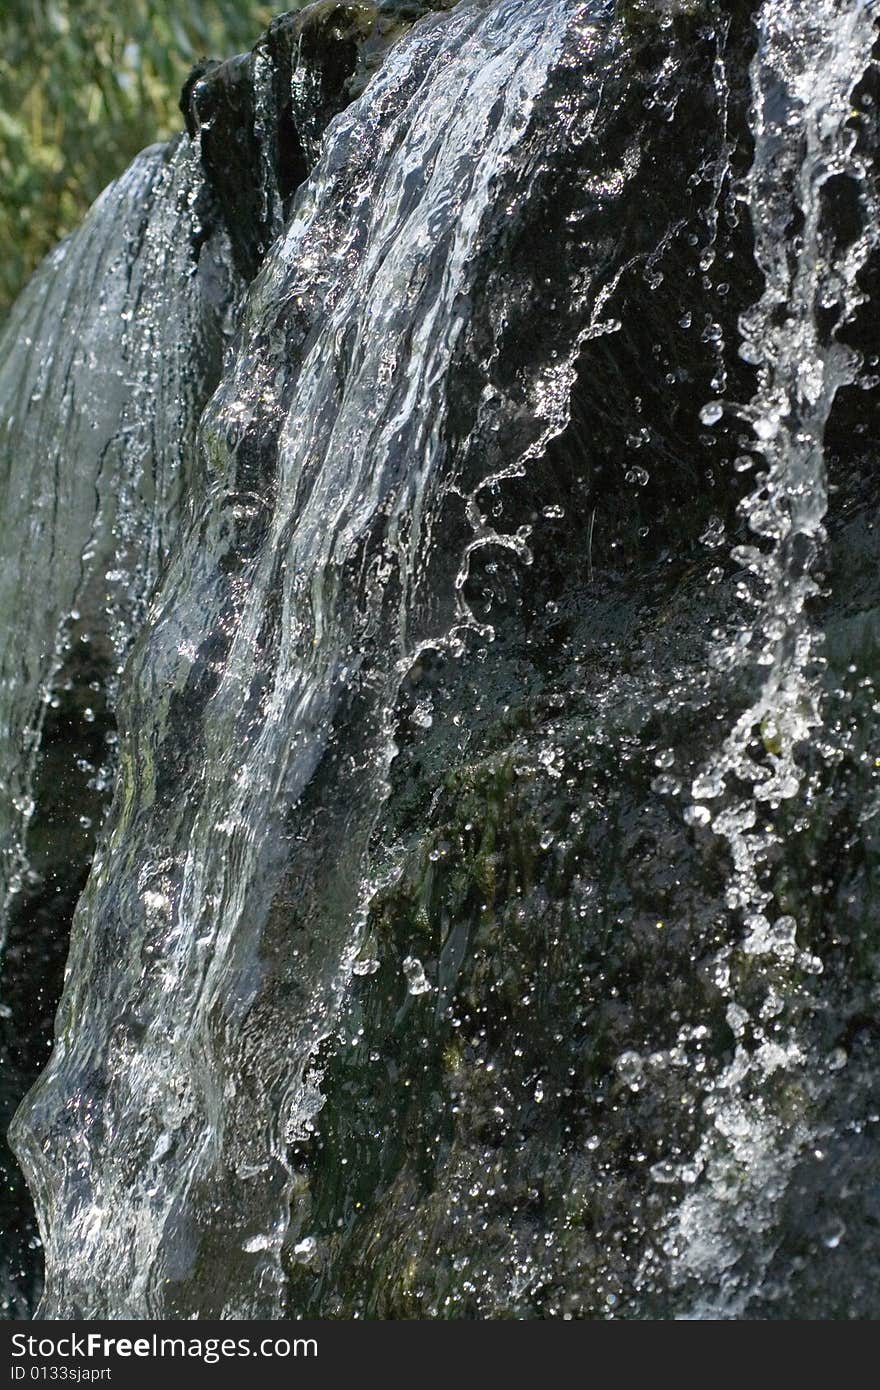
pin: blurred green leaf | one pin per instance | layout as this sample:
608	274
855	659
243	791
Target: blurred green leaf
84	85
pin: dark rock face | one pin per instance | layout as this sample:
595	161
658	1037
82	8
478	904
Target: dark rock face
543	1064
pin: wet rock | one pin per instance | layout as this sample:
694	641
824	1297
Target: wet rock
544	1063
260	116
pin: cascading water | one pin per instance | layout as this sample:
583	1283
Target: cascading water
810	59
297	581
456	942
97	434
103	374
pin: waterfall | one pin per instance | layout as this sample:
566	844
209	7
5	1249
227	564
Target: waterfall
105	366
446	472
302	583
97	435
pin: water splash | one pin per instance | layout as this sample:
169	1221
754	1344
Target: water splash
808	63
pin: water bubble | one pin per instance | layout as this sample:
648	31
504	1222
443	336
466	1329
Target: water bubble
697	815
304	1250
711	413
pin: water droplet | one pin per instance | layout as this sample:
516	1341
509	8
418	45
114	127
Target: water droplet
630	1069
665	785
713	535
766	427
416	980
751	353
423	715
639	476
707	785
831	1232
665	1172
255	1243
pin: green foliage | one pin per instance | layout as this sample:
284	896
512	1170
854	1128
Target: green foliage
84	85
